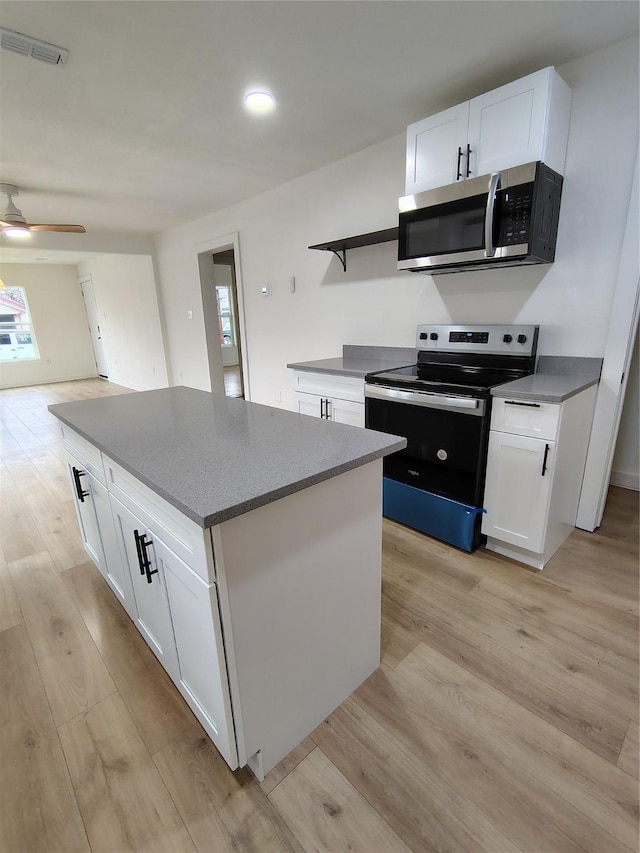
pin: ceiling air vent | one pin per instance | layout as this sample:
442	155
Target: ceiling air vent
28	46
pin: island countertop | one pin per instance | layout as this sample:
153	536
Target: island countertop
215	457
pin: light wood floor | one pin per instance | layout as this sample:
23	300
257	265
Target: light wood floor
232	381
504	716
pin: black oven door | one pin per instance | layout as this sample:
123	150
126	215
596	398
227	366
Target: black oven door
446	440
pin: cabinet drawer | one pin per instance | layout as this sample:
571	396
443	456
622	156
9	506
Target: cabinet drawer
189	541
87	454
330	385
526	417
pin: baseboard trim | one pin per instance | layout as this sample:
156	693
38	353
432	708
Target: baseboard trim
625	480
47	381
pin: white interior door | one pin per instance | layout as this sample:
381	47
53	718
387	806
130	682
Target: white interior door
94	326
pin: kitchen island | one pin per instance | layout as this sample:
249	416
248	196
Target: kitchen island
245	543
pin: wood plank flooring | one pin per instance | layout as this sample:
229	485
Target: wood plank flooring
504	716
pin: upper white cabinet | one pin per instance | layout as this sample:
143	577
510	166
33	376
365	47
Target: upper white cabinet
521	122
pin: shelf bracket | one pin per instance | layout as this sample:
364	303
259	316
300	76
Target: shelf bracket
341	255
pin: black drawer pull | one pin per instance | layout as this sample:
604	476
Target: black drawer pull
544	461
519	403
143	560
80	492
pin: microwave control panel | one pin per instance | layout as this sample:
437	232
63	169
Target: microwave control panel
514	214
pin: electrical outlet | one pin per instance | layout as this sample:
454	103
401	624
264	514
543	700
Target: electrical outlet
265	290
292	284
279	396
189	314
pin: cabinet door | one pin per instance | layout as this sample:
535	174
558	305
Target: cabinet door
517	490
346	412
308	404
116	572
202	667
152	615
507	126
432	149
83	487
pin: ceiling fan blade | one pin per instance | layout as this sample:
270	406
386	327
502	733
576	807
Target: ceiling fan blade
75	229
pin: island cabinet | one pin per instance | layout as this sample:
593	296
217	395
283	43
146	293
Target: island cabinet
259	593
176	604
522	122
91	499
329	396
535	463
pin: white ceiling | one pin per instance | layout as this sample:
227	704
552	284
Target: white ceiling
143	128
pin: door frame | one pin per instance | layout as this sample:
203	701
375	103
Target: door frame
213	245
84	280
623	323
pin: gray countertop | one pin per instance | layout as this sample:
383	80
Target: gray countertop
359	360
214	457
556	379
358	367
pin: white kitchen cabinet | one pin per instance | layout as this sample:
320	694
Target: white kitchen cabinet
266	621
84	487
152	614
519	473
522	122
331	396
197	629
535	463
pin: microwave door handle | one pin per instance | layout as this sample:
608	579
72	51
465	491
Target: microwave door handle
494	183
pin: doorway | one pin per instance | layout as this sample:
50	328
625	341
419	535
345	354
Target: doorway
221	288
224	280
100	356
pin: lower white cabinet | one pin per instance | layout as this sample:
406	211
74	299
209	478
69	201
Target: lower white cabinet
95	521
331	396
267	621
85	495
535	463
152	615
202	668
519	475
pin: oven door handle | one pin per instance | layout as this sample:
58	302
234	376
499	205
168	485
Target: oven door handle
425	398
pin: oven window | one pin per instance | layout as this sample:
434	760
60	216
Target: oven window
443	229
431	435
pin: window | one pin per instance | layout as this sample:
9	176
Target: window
17	337
225	315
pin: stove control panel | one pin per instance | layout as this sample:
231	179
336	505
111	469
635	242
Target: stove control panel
500	340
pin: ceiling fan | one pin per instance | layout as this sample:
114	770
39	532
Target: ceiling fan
14	224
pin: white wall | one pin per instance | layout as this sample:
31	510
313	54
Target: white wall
60	323
374	304
125	292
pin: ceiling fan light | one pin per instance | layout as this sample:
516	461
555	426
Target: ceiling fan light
18	232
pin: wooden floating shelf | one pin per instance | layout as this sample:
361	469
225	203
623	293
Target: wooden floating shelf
339	247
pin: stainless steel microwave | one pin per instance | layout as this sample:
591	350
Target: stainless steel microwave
509	218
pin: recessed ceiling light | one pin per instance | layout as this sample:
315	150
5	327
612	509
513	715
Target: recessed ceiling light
259	101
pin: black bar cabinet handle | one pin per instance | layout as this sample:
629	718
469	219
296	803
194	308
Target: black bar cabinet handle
468	160
145	559
80	492
136	536
544	461
322	407
518	403
458	172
